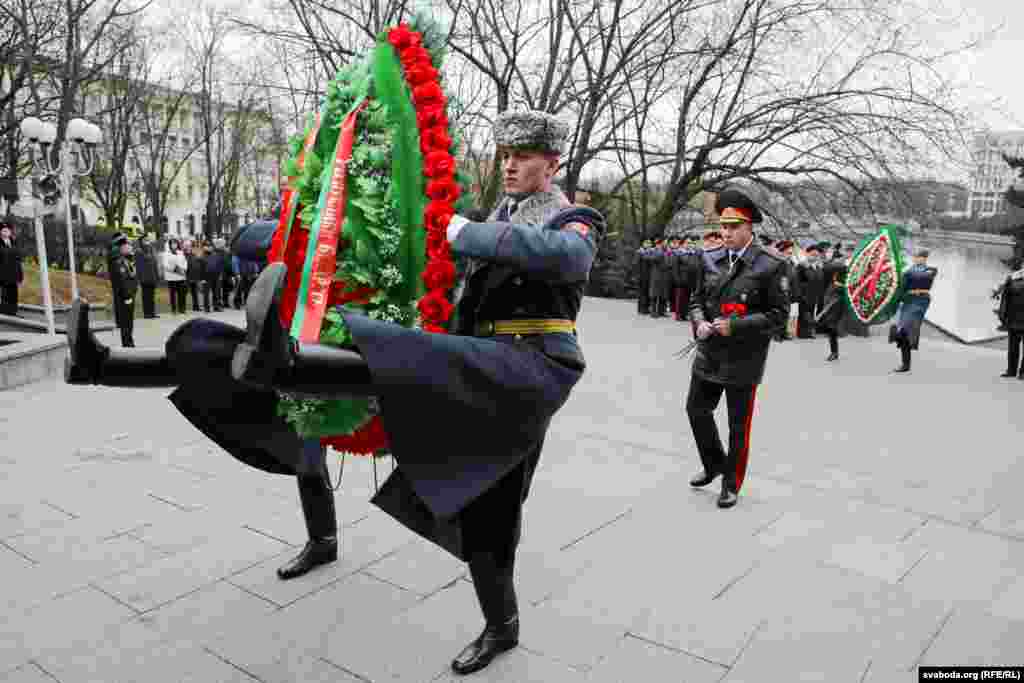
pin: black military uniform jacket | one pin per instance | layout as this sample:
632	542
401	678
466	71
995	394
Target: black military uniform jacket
757	280
1011	302
125	283
811	282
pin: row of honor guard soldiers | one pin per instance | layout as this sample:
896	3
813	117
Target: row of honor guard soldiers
667	273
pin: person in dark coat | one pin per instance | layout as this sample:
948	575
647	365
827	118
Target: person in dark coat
833	314
811	285
642	266
148	272
916	298
124	284
216	265
509	366
1011	319
684	275
661	267
740	303
785	250
11	272
194	272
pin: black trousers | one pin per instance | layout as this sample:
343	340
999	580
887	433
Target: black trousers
211	289
701	402
833	341
643	300
193	290
491	529
1013	353
805	320
148	300
8	299
317	498
176	290
126	323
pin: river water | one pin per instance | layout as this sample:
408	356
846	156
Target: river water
961	296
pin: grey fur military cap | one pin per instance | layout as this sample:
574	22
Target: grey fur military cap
531	129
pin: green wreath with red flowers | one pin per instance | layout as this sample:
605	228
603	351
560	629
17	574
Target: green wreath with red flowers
382	150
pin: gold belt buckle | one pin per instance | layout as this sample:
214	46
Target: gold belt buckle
486	328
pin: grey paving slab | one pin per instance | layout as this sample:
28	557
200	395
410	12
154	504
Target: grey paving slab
29	673
634	659
974	638
207	612
1010	602
962	565
22	518
432	631
321	623
58	625
418	566
361	545
152	662
89	560
172	577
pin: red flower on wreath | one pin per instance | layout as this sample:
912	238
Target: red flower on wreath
420	73
437	215
438	164
430	117
435	138
443	190
734	310
439	274
428	94
401	37
435	306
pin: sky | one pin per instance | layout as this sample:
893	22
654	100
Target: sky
991	72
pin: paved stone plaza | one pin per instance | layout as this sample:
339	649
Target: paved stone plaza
881	527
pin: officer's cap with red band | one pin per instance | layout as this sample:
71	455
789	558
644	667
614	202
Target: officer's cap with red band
735	207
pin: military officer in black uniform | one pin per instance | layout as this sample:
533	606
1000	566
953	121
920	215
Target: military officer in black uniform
124	283
740	303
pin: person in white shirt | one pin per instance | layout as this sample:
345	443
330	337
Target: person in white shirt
175	266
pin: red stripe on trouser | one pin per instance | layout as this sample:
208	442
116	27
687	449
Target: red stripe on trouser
744	454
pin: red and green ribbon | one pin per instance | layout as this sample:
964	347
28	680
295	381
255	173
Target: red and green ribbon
318	269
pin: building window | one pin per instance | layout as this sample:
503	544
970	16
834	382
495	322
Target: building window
177	227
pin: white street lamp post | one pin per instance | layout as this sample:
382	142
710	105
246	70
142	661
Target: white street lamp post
71	163
36	131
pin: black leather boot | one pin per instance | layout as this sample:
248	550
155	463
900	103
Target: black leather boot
496	593
316	552
90	362
271	358
317	498
703	479
905	356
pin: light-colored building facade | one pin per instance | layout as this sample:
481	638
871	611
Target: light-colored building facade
186	171
990	175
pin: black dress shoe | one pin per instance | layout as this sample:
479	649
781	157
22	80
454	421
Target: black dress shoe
726	499
1008	374
902	368
317	551
832	357
488	645
703	479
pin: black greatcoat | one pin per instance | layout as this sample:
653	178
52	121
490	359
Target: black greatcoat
465	416
124	283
